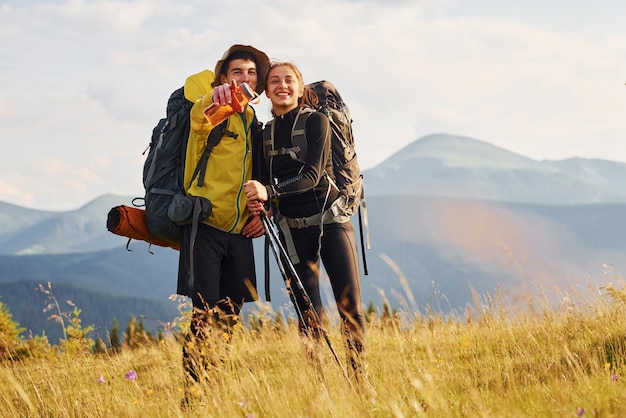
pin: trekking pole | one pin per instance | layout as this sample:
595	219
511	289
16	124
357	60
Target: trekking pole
290	274
286	278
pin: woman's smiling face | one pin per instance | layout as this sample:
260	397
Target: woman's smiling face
284	88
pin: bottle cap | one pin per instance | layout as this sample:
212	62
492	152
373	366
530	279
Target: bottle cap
250	94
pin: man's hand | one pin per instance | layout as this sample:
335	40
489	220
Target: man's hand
254	227
222	94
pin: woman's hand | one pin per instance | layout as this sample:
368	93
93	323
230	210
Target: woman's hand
256	194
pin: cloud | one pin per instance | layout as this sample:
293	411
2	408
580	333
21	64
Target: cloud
5	110
85	78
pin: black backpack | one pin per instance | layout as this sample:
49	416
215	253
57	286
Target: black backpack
166	204
348	177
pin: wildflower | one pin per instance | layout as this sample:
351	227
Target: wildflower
580	412
613	377
131	375
244	403
101	379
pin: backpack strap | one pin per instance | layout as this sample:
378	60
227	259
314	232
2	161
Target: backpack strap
197	207
298	135
290	247
268	144
364	229
298	138
215	136
161	127
269	151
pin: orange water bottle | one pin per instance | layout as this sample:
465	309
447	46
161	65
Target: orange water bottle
241	95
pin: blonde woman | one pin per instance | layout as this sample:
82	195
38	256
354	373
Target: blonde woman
304	190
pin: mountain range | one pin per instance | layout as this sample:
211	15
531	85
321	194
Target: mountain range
450	217
454	166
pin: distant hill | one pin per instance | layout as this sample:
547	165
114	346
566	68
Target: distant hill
137	273
443	246
27	231
447	214
97	308
105	285
454	166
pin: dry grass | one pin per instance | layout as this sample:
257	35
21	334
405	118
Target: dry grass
493	361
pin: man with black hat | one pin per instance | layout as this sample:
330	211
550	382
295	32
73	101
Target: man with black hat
223	276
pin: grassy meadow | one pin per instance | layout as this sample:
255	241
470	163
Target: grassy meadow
531	358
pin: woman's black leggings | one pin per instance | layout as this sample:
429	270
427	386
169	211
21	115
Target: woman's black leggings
340	258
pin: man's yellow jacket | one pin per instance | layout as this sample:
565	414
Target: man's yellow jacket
230	162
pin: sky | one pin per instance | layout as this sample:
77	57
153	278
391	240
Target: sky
83	82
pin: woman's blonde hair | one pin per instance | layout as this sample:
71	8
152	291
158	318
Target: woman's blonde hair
309	98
